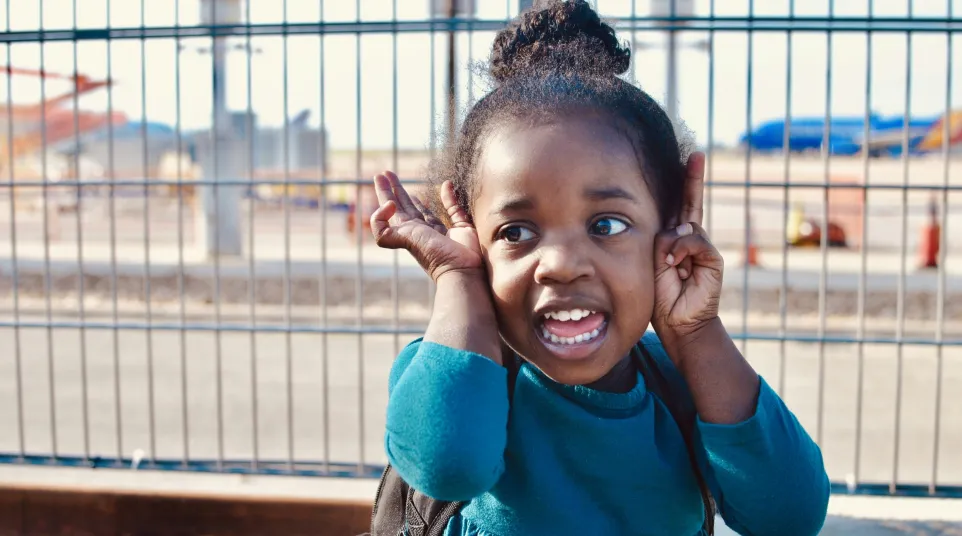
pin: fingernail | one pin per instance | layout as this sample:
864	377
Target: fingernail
684	229
670	259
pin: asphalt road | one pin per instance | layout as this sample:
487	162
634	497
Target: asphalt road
287	399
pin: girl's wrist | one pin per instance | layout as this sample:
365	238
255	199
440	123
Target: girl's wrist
697	341
723	384
463	315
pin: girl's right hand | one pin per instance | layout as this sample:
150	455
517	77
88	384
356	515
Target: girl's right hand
401	222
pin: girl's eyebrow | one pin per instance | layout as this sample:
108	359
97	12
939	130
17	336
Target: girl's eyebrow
612	192
593	194
512	205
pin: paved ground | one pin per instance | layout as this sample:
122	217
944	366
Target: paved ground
287	400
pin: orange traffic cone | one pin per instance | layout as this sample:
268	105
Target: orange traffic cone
931	235
751	250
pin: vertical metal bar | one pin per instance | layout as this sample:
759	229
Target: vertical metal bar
786	194
14	268
823	271
634	38
323	279
452	110
251	234
900	302
863	256
146	171
943	247
748	181
218	47
115	314
359	282
47	275
470	17
288	350
671	89
709	204
80	256
395	281
182	332
434	141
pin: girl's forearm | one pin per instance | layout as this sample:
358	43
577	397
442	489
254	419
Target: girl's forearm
724	386
463	316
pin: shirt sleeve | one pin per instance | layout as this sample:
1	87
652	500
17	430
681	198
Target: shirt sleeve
769	470
447	420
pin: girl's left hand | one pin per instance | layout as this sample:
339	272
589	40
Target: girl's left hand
688	268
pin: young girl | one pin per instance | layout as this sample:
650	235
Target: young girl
571	223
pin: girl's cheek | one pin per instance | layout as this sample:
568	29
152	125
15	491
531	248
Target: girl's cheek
507	283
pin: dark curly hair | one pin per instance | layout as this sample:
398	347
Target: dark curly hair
555	58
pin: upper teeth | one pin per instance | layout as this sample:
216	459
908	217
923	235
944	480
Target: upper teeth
573	314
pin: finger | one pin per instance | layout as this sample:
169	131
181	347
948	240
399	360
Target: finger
404	200
454	210
684	268
695	248
697	229
666	241
693	208
383	190
384	234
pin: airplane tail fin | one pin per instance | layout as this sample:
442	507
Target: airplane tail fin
933	139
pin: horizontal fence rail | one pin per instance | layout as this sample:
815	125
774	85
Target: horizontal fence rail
660	24
203	294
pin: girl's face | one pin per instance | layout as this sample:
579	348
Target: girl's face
567	226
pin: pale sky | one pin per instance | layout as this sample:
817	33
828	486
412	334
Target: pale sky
928	66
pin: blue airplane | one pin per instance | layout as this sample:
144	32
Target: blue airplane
847	135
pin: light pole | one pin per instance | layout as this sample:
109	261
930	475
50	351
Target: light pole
671	9
218	227
451	9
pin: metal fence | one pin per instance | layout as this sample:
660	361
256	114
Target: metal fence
194	292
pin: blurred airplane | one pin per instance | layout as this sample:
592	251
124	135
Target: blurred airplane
49	122
847	134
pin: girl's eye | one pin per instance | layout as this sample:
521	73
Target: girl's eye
608	227
515	233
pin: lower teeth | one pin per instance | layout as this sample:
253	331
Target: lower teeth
584	337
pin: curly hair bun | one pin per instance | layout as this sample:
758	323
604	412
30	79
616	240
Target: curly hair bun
558	35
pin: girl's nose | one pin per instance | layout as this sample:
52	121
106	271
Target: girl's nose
562	263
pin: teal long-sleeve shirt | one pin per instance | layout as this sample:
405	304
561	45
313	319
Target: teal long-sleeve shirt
565	459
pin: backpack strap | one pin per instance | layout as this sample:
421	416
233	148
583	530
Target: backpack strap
513	363
665	381
401	510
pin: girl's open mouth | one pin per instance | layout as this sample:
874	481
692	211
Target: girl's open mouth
574	333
